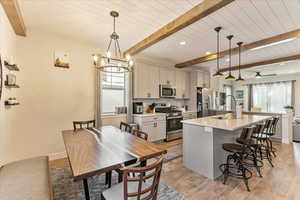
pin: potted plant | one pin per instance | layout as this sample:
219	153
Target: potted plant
289	108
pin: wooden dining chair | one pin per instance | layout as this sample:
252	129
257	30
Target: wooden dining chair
84	124
125	127
143	186
140	134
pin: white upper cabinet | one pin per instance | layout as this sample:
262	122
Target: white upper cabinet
167	77
146	81
203	79
182	85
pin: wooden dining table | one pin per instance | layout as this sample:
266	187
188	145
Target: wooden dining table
100	150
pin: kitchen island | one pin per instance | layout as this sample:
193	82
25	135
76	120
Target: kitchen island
203	139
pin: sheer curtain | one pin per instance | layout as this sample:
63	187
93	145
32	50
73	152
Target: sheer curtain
272	97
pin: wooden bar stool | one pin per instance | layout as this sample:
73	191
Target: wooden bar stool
84	124
143	186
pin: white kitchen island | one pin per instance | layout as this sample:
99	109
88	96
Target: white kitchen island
203	139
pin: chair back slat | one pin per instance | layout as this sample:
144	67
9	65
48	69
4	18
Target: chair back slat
146	189
125	127
140	134
84	124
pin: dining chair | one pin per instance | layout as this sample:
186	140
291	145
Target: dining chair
143	186
125	127
84	124
140	134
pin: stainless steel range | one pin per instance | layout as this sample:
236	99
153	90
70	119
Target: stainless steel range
174	117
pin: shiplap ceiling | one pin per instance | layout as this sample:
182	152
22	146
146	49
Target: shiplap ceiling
247	20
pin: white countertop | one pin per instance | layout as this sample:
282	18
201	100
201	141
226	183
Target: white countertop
228	123
149	114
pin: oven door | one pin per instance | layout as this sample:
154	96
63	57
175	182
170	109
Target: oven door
167	91
174	124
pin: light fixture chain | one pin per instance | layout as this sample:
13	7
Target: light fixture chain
218	50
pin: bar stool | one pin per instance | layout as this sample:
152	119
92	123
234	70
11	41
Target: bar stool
254	146
271	132
235	165
263	138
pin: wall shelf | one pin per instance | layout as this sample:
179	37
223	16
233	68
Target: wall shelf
11	67
8	104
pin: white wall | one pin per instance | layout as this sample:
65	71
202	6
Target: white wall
50	97
7	49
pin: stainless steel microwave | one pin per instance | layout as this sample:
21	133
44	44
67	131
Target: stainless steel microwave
166	91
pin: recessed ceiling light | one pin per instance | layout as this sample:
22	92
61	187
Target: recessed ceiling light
182	43
207	53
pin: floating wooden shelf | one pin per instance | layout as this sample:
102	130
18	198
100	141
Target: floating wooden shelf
8	104
11	86
11	67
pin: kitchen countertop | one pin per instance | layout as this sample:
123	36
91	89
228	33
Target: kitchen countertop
251	112
228	123
149	114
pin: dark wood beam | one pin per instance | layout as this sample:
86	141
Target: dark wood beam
260	63
198	12
276	38
13	12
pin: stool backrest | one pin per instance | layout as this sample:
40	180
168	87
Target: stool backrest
125	127
146	179
274	125
246	135
84	124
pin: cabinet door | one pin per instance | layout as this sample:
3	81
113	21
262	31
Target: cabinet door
167	77
186	89
146	81
179	86
160	130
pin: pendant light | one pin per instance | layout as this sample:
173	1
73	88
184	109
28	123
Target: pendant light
240	79
230	77
116	62
218	74
258	75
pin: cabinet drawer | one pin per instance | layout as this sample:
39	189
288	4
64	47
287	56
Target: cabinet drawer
146	119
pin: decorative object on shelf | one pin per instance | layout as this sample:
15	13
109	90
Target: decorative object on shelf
230	77
116	62
218	74
258	75
1	77
289	109
61	59
240	79
12	101
151	108
12	67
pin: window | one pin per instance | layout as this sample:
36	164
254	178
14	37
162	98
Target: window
272	97
228	91
113	91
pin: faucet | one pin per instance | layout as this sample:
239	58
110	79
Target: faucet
235	104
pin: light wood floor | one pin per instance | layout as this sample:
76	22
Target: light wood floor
279	183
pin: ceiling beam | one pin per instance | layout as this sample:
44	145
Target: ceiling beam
13	12
260	63
198	12
276	38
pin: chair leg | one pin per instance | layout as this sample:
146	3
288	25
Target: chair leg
108	178
226	170
256	164
271	146
120	177
245	179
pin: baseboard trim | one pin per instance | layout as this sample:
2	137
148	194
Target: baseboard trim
56	156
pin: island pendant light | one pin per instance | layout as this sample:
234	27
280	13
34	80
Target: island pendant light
230	77
218	74
240	79
113	63
258	75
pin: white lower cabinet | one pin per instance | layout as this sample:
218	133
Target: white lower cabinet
154	126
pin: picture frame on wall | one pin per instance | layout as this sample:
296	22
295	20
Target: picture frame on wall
61	59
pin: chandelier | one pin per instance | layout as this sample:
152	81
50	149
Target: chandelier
113	62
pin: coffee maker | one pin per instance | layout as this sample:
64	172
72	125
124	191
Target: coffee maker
138	108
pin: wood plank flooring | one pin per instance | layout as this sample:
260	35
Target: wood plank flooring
279	183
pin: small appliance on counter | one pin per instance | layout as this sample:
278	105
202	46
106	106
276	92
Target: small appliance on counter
138	108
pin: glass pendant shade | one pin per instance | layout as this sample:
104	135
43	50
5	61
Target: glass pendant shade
218	75
230	77
240	79
113	62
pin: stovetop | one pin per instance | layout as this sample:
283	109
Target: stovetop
169	111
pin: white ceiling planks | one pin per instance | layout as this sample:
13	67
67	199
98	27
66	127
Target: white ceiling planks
247	20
